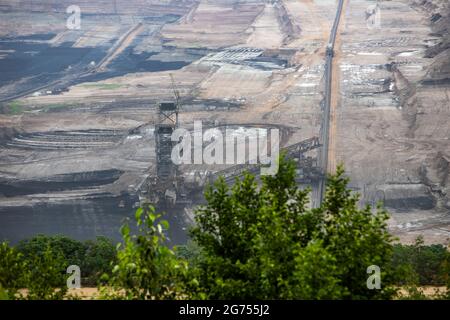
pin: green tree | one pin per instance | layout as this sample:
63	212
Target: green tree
46	277
94	257
261	242
357	238
72	251
97	260
12	270
42	274
146	268
316	275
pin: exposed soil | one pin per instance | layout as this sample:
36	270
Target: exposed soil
79	106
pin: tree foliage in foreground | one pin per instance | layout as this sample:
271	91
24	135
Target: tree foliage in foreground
262	242
42	274
146	267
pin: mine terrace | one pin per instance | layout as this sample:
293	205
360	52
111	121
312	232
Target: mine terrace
82	141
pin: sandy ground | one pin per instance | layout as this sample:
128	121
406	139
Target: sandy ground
84	293
92	293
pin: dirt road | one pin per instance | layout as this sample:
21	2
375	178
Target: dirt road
121	45
335	96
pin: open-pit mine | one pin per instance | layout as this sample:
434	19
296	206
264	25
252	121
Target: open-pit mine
89	98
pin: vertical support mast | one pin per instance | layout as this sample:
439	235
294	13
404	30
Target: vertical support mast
177	98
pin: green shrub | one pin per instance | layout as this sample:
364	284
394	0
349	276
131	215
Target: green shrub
251	241
93	257
42	274
146	268
46	276
427	265
12	270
